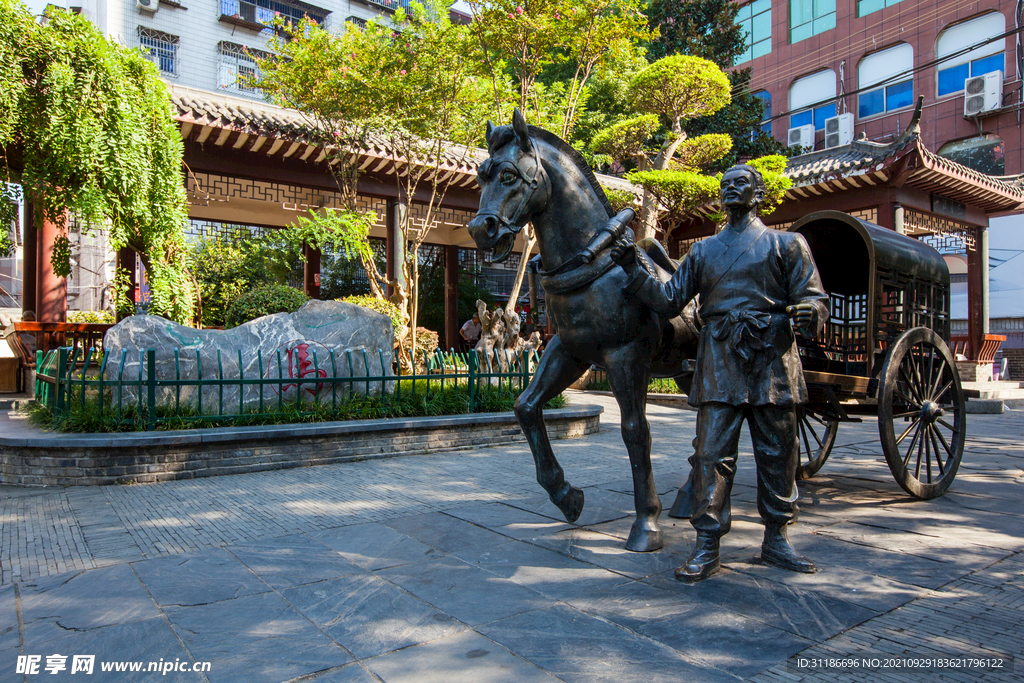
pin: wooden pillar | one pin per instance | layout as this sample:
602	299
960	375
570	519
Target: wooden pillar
887	215
51	291
451	297
977	293
28	259
126	262
311	271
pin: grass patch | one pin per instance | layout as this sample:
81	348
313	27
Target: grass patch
657	386
451	400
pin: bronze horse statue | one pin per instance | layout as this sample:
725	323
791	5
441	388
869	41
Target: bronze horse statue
534	176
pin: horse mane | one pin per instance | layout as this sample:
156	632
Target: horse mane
577	159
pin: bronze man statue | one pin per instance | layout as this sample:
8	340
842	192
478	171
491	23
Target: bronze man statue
755	286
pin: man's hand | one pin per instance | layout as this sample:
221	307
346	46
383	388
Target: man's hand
623	252
803	315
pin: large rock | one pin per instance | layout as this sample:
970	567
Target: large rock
283	346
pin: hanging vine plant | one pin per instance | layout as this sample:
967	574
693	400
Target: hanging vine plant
86	126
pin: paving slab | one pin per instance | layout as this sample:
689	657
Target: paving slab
466	592
198	579
579	648
294	560
464	658
375	546
369	616
703	633
255	639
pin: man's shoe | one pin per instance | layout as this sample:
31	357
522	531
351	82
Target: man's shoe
703	562
777	550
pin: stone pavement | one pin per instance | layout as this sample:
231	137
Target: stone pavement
454	567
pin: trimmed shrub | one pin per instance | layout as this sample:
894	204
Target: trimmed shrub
262	301
91	317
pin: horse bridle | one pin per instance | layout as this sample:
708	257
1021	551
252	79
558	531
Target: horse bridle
532	181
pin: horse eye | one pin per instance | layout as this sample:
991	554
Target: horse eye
507	176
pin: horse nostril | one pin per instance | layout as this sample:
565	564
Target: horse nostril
484	224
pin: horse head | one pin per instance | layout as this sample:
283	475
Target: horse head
513	187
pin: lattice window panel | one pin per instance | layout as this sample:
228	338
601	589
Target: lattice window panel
222	231
945	234
869	214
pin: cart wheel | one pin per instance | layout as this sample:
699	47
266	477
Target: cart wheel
816	438
921	413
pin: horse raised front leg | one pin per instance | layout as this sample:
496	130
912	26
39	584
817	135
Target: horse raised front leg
629	384
557	370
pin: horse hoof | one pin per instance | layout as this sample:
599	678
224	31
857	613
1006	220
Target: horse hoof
644	539
571	504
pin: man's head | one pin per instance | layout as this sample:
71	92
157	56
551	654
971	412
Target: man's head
476	318
742	188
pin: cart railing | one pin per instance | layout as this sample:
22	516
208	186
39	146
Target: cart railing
141	392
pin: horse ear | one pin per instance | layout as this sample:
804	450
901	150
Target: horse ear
490	131
521	131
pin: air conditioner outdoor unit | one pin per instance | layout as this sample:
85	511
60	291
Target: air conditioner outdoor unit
983	93
839	130
148	5
802	136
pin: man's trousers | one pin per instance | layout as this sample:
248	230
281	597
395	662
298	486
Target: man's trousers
773	430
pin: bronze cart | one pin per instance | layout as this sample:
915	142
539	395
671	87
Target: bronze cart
884	351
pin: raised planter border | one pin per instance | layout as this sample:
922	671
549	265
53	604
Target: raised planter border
142	457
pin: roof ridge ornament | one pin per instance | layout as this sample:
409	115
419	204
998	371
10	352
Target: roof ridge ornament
913	130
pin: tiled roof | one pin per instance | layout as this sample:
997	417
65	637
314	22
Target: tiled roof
241	123
863	163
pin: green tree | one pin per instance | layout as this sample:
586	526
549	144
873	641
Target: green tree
673	89
86	126
700	28
708	29
673	168
405	82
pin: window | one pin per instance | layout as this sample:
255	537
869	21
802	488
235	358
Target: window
956	70
810	17
811	93
238	67
983	153
756	20
881	68
160	48
257	13
866	7
766	100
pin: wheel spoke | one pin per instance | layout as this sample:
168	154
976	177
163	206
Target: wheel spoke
919	387
948	426
938	456
910	449
910	385
946	387
928	451
906	414
807	444
907	431
938	378
810	428
949	451
920	447
931	370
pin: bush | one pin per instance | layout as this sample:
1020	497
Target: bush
91	317
262	301
398	319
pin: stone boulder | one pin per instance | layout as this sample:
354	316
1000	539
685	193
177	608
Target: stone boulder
284	347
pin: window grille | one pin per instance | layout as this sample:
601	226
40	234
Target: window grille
238	68
160	48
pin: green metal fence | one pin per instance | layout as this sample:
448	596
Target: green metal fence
72	378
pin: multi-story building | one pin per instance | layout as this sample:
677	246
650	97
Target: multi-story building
865	63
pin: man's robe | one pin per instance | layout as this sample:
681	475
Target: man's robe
746	278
